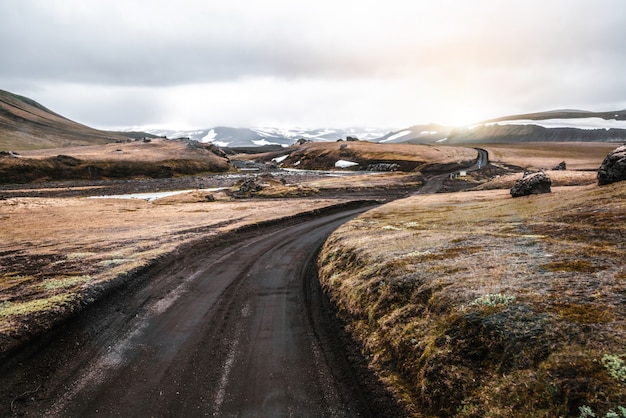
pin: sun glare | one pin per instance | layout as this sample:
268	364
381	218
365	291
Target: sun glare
461	117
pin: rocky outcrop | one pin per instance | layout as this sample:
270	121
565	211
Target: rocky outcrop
531	183
383	167
246	188
613	168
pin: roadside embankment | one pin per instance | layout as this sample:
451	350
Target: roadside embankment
476	304
60	255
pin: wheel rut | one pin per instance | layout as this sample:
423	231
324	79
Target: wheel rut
240	330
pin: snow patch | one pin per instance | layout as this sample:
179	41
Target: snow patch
149	197
209	137
280	159
345	164
261	142
396	136
579	123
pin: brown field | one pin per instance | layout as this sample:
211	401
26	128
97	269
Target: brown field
546	155
156	150
559	178
476	304
324	155
55	252
156	159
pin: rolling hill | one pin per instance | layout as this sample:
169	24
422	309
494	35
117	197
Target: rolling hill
25	124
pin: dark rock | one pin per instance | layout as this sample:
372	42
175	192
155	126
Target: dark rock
67	160
560	166
246	188
352	139
531	183
209	198
302	141
383	167
613	168
9	154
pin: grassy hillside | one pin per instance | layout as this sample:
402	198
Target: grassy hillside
545	155
479	305
155	159
26	124
324	155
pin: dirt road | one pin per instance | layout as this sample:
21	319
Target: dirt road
235	329
435	183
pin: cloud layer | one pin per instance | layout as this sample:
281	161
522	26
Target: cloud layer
385	63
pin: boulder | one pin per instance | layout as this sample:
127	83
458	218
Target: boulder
531	183
560	166
613	168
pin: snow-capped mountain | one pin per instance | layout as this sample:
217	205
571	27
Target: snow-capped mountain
246	137
555	125
551	126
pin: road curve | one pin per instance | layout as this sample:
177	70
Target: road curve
435	183
237	331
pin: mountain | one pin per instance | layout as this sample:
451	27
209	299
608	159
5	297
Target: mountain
550	126
25	124
246	137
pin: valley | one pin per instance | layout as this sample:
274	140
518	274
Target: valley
439	294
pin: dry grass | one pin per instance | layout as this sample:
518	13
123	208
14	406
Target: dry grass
324	155
55	250
546	155
476	304
559	178
378	180
157	159
155	150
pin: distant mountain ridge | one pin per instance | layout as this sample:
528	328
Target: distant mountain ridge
26	124
246	137
549	126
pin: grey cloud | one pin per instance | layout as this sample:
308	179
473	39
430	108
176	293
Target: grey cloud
110	52
530	53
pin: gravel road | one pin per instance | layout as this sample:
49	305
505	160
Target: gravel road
234	329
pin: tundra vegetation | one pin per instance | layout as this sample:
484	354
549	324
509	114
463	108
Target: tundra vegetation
475	304
467	304
60	254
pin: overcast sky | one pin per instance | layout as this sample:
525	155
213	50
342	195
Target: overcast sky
322	63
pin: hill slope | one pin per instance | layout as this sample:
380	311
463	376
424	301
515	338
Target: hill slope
550	126
26	124
476	304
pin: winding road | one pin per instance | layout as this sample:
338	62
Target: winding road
237	328
435	183
242	330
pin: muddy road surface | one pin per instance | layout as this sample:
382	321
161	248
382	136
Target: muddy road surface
235	329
